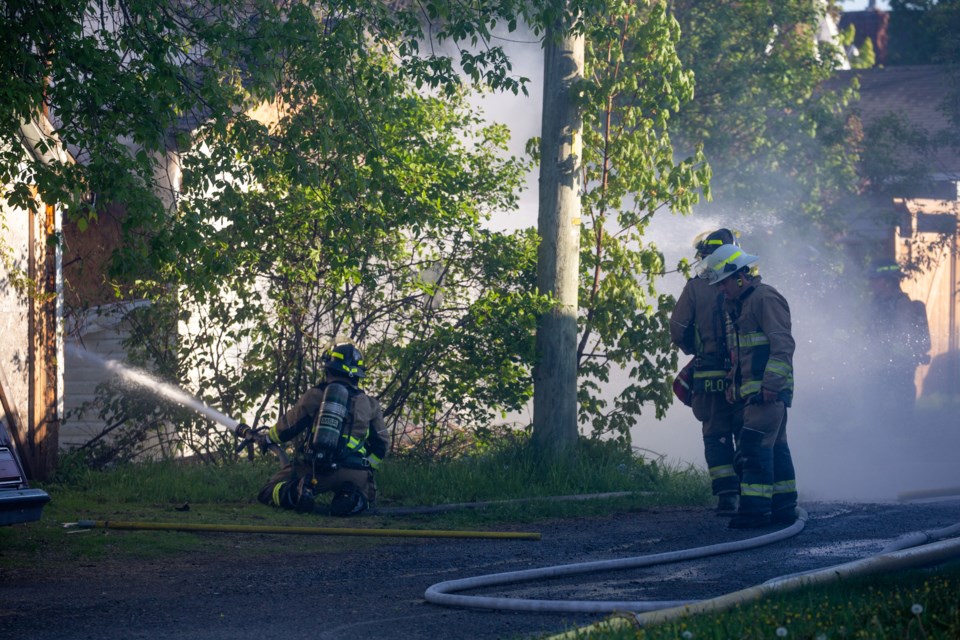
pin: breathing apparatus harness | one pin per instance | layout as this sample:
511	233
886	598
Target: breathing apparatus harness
330	444
710	373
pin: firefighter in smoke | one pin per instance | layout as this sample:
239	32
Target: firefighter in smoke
760	386
697	327
900	342
344	441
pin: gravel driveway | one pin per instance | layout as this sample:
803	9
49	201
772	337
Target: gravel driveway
375	588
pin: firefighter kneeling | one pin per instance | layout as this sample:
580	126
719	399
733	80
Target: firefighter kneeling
344	441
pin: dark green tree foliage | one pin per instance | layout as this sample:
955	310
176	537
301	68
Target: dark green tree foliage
356	211
779	146
635	82
365	226
863	57
924	32
126	81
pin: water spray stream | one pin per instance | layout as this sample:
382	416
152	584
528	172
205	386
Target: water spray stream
154	385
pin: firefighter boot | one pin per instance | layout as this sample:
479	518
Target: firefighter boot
785	516
349	500
305	499
750	521
727	504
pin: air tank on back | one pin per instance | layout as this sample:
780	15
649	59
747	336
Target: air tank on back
329	422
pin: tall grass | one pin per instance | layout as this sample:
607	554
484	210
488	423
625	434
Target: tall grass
170	481
518	473
495	475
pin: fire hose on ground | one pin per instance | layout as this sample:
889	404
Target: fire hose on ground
896	556
909	551
443	593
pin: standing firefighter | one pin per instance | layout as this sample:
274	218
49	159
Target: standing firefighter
761	386
344	440
697	327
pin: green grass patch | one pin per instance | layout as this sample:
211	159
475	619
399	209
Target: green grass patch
180	492
515	473
901	606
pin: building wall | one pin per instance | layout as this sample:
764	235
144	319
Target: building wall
30	308
14	307
100	331
930	239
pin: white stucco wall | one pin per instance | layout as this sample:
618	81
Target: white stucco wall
14	305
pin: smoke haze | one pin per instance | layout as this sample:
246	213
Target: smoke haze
840	450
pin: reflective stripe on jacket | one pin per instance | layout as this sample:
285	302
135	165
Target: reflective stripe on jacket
761	342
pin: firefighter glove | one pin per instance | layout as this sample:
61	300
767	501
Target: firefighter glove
250	436
262	440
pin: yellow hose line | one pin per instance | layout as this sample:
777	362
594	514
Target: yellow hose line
912	558
328	531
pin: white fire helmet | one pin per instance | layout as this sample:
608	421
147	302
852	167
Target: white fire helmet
725	261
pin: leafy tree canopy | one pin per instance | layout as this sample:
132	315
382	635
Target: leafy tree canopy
924	32
125	81
354	206
635	84
781	148
334	183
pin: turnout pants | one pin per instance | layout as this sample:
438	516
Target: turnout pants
769	484
282	489
720	428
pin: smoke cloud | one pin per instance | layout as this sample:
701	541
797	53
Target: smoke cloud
843	450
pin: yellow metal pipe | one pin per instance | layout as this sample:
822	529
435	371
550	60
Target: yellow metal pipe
329	531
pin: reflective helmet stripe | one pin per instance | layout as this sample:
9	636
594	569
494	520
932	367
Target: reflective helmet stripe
723	264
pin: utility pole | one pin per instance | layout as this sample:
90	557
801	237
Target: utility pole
561	150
